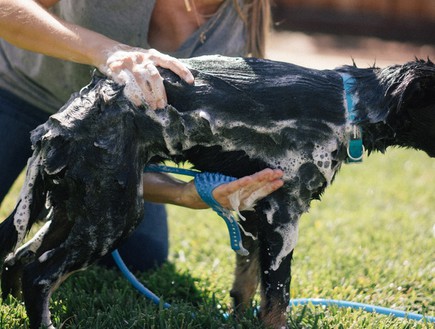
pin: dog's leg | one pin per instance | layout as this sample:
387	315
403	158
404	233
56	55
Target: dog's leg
275	293
247	273
12	273
45	261
13	266
277	237
67	246
40	278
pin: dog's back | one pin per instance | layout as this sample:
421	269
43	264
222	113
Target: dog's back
255	111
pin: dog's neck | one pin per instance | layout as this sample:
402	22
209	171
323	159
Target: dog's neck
371	107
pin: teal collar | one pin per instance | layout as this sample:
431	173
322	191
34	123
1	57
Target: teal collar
355	148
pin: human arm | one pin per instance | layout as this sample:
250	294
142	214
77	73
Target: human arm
162	188
27	24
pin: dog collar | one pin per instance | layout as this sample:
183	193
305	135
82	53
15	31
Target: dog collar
355	148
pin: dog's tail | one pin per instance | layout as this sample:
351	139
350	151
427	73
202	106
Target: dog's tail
30	205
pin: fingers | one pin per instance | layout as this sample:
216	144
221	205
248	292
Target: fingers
172	64
253	182
150	84
245	192
259	194
137	69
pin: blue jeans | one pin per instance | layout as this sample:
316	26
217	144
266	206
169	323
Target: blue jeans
145	248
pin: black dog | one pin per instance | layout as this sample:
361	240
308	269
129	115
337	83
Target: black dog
242	115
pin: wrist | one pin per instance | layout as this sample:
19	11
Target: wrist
163	188
102	53
190	198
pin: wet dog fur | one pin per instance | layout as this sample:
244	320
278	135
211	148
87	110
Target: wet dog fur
240	116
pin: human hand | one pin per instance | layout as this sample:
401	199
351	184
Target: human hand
136	68
240	194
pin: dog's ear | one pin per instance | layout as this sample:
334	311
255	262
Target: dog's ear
415	116
417	93
416	85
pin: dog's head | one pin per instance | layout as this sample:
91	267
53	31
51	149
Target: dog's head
412	105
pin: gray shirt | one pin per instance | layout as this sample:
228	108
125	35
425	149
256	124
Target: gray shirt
48	82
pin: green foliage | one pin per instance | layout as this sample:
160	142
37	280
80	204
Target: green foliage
370	240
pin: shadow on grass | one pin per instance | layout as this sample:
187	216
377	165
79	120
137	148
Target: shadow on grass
103	298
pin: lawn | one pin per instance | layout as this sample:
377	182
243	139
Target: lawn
370	240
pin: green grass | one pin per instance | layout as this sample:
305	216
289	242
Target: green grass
370	240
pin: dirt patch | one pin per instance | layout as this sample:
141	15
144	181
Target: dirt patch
325	51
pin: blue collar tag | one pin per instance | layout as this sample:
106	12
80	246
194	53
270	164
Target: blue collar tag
355	148
355	151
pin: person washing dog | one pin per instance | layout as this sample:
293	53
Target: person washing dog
48	49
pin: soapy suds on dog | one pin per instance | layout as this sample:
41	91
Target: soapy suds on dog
290	161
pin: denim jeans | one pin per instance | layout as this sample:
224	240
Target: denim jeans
145	248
